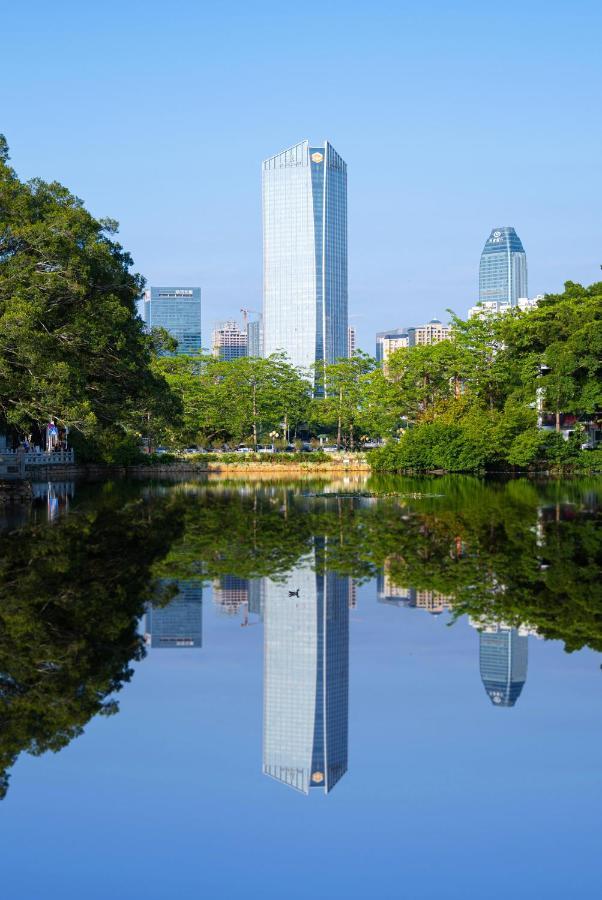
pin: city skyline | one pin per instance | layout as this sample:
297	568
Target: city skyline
301	313
409	121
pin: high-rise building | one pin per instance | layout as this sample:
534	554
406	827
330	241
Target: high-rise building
503	655
229	341
350	341
179	623
392	343
431	333
306	678
255	337
496	308
178	310
305	254
503	268
383	336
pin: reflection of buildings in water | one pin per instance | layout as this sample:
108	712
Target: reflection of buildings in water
503	658
306	678
432	601
180	623
387	591
351	594
256	594
230	593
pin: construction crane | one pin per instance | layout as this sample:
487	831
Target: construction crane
245	315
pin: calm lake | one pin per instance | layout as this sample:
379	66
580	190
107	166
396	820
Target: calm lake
363	688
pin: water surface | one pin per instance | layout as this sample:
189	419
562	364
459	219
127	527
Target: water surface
384	688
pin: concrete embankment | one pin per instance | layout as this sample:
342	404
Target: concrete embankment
199	468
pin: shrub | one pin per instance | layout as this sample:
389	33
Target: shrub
527	448
114	448
590	460
436	445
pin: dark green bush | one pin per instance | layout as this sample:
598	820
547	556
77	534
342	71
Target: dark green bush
436	445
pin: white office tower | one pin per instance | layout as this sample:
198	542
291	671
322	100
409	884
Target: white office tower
305	255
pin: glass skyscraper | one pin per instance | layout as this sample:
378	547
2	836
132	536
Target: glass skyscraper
503	655
178	310
305	254
306	678
255	337
503	268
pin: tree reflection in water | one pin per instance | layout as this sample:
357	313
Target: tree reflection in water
511	555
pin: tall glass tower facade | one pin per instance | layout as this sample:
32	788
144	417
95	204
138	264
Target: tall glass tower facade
503	268
178	310
306	678
305	254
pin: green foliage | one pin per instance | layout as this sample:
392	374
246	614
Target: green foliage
72	346
343	406
480	387
437	445
236	400
590	461
71	594
527	449
309	459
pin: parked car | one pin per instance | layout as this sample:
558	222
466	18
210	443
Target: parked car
329	449
243	450
266	448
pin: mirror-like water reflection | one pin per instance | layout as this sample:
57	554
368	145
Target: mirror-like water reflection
107	584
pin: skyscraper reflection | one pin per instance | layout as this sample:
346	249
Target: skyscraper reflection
306	677
179	624
503	656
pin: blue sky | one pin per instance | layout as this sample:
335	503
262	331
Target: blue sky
453	118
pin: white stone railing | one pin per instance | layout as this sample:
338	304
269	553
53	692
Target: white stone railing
59	458
31	458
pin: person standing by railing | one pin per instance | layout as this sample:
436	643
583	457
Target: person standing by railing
52	436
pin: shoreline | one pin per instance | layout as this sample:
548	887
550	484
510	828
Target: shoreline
335	467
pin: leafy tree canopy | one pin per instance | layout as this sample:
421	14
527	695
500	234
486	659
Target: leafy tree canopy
71	344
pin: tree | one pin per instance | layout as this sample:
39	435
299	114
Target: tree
72	347
424	377
562	338
343	384
234	399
